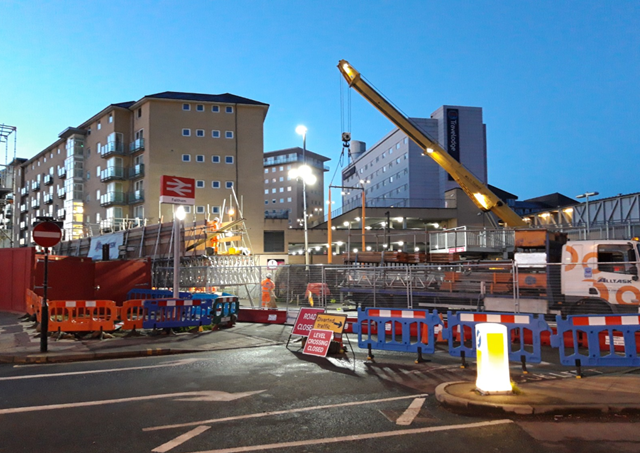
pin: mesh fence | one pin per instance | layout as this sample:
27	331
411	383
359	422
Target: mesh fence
499	286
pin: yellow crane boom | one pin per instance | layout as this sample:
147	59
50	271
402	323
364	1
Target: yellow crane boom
472	186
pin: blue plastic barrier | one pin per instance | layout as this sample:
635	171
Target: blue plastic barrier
154	294
174	313
597	327
225	310
377	329
517	323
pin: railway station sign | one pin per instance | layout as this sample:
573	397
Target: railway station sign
47	234
177	190
318	342
305	321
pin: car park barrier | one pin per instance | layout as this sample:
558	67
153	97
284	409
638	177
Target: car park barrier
390	330
225	310
461	335
610	340
155	294
175	313
82	315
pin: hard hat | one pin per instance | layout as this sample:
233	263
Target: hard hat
268	275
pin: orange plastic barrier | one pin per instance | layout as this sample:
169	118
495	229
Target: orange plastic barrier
132	313
33	303
82	315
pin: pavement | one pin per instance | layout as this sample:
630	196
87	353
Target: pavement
614	392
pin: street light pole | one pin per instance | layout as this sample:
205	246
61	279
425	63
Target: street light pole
586	196
178	215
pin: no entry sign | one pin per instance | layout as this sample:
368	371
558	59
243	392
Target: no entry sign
47	234
305	320
318	342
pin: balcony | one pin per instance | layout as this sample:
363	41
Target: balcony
137	171
62	193
23	225
47	198
112	198
24	207
61	214
48	180
35	204
137	145
35	185
112	149
112	173
24	191
137	196
62	172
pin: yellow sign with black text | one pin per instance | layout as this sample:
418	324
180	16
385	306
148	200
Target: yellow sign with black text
335	323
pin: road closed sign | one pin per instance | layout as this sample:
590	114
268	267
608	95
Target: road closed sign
318	342
305	321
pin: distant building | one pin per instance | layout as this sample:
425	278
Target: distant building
283	195
398	175
106	172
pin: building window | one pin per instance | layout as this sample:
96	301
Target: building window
111	117
186	132
281	189
228	159
266	181
281	178
266	170
273	169
289	199
98	194
199	209
200	108
187	209
228	134
398	145
199	132
229	109
229	184
99	125
266	191
281	168
215	108
199	158
98	171
215	184
186	158
266	201
215	159
288	188
215	134
281	200
186	106
139	113
200	184
273	190
215	209
273	201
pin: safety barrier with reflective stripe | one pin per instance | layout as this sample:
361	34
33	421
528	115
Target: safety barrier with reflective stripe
33	304
611	340
175	313
132	314
390	330
82	315
461	335
155	294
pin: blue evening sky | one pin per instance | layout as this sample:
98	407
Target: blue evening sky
559	81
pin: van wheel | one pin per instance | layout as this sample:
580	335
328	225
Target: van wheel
590	307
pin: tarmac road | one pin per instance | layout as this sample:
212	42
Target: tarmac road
269	398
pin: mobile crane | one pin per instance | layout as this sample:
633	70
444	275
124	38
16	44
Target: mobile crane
480	194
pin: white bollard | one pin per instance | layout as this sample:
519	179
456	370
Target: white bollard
492	352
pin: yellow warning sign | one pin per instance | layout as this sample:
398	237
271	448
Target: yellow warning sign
335	323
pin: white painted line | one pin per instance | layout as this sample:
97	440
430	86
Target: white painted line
74	373
333	440
180	439
207	395
290	411
411	413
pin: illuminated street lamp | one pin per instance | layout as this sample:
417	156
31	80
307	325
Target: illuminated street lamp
178	216
586	196
305	173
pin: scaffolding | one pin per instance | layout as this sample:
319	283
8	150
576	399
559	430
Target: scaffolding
7	184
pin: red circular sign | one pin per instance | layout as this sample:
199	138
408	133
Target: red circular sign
47	234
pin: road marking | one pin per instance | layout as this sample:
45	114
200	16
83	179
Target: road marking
353	437
111	370
289	411
181	439
207	395
411	413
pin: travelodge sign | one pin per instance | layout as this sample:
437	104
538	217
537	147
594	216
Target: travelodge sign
177	190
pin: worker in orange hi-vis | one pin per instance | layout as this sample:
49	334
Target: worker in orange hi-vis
268	296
